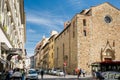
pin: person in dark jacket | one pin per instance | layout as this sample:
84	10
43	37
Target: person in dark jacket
42	73
99	75
79	73
7	75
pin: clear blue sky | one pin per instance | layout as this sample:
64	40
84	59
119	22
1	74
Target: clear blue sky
43	16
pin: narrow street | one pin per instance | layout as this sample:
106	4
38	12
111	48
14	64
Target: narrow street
40	39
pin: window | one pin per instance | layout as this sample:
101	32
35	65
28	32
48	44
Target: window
113	43
108	19
74	25
63	50
52	55
73	34
84	22
85	33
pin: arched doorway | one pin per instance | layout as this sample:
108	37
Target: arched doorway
107	53
110	55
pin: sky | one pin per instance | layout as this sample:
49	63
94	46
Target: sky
43	16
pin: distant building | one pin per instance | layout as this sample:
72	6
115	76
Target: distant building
32	62
38	55
51	49
92	35
27	63
44	52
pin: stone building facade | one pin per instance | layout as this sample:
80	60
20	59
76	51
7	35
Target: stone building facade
92	35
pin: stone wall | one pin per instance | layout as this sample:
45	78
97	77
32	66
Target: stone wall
88	37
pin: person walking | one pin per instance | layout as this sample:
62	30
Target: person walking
79	72
17	74
42	73
10	72
64	71
23	74
3	75
7	75
83	72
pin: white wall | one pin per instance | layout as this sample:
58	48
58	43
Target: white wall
4	39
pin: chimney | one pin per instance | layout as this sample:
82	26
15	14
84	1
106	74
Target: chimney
66	24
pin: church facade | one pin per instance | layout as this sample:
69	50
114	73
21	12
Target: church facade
92	35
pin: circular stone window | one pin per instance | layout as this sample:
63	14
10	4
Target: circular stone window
108	19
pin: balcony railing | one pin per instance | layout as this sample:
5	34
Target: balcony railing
12	8
0	19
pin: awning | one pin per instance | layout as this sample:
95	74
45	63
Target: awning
14	51
4	45
11	55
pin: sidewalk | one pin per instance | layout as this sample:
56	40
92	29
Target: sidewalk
75	76
67	76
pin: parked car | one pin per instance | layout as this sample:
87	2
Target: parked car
60	73
53	72
32	74
50	71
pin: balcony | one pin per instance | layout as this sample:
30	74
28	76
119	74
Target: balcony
12	9
0	19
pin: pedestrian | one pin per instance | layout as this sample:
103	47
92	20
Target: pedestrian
99	75
23	74
83	72
17	74
64	73
79	72
3	75
10	72
76	71
64	70
42	73
7	75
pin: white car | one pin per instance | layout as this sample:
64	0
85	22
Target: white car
53	72
32	74
60	73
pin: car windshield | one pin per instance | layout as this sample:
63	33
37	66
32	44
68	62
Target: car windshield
32	72
61	71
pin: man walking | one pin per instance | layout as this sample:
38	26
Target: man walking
42	73
79	73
